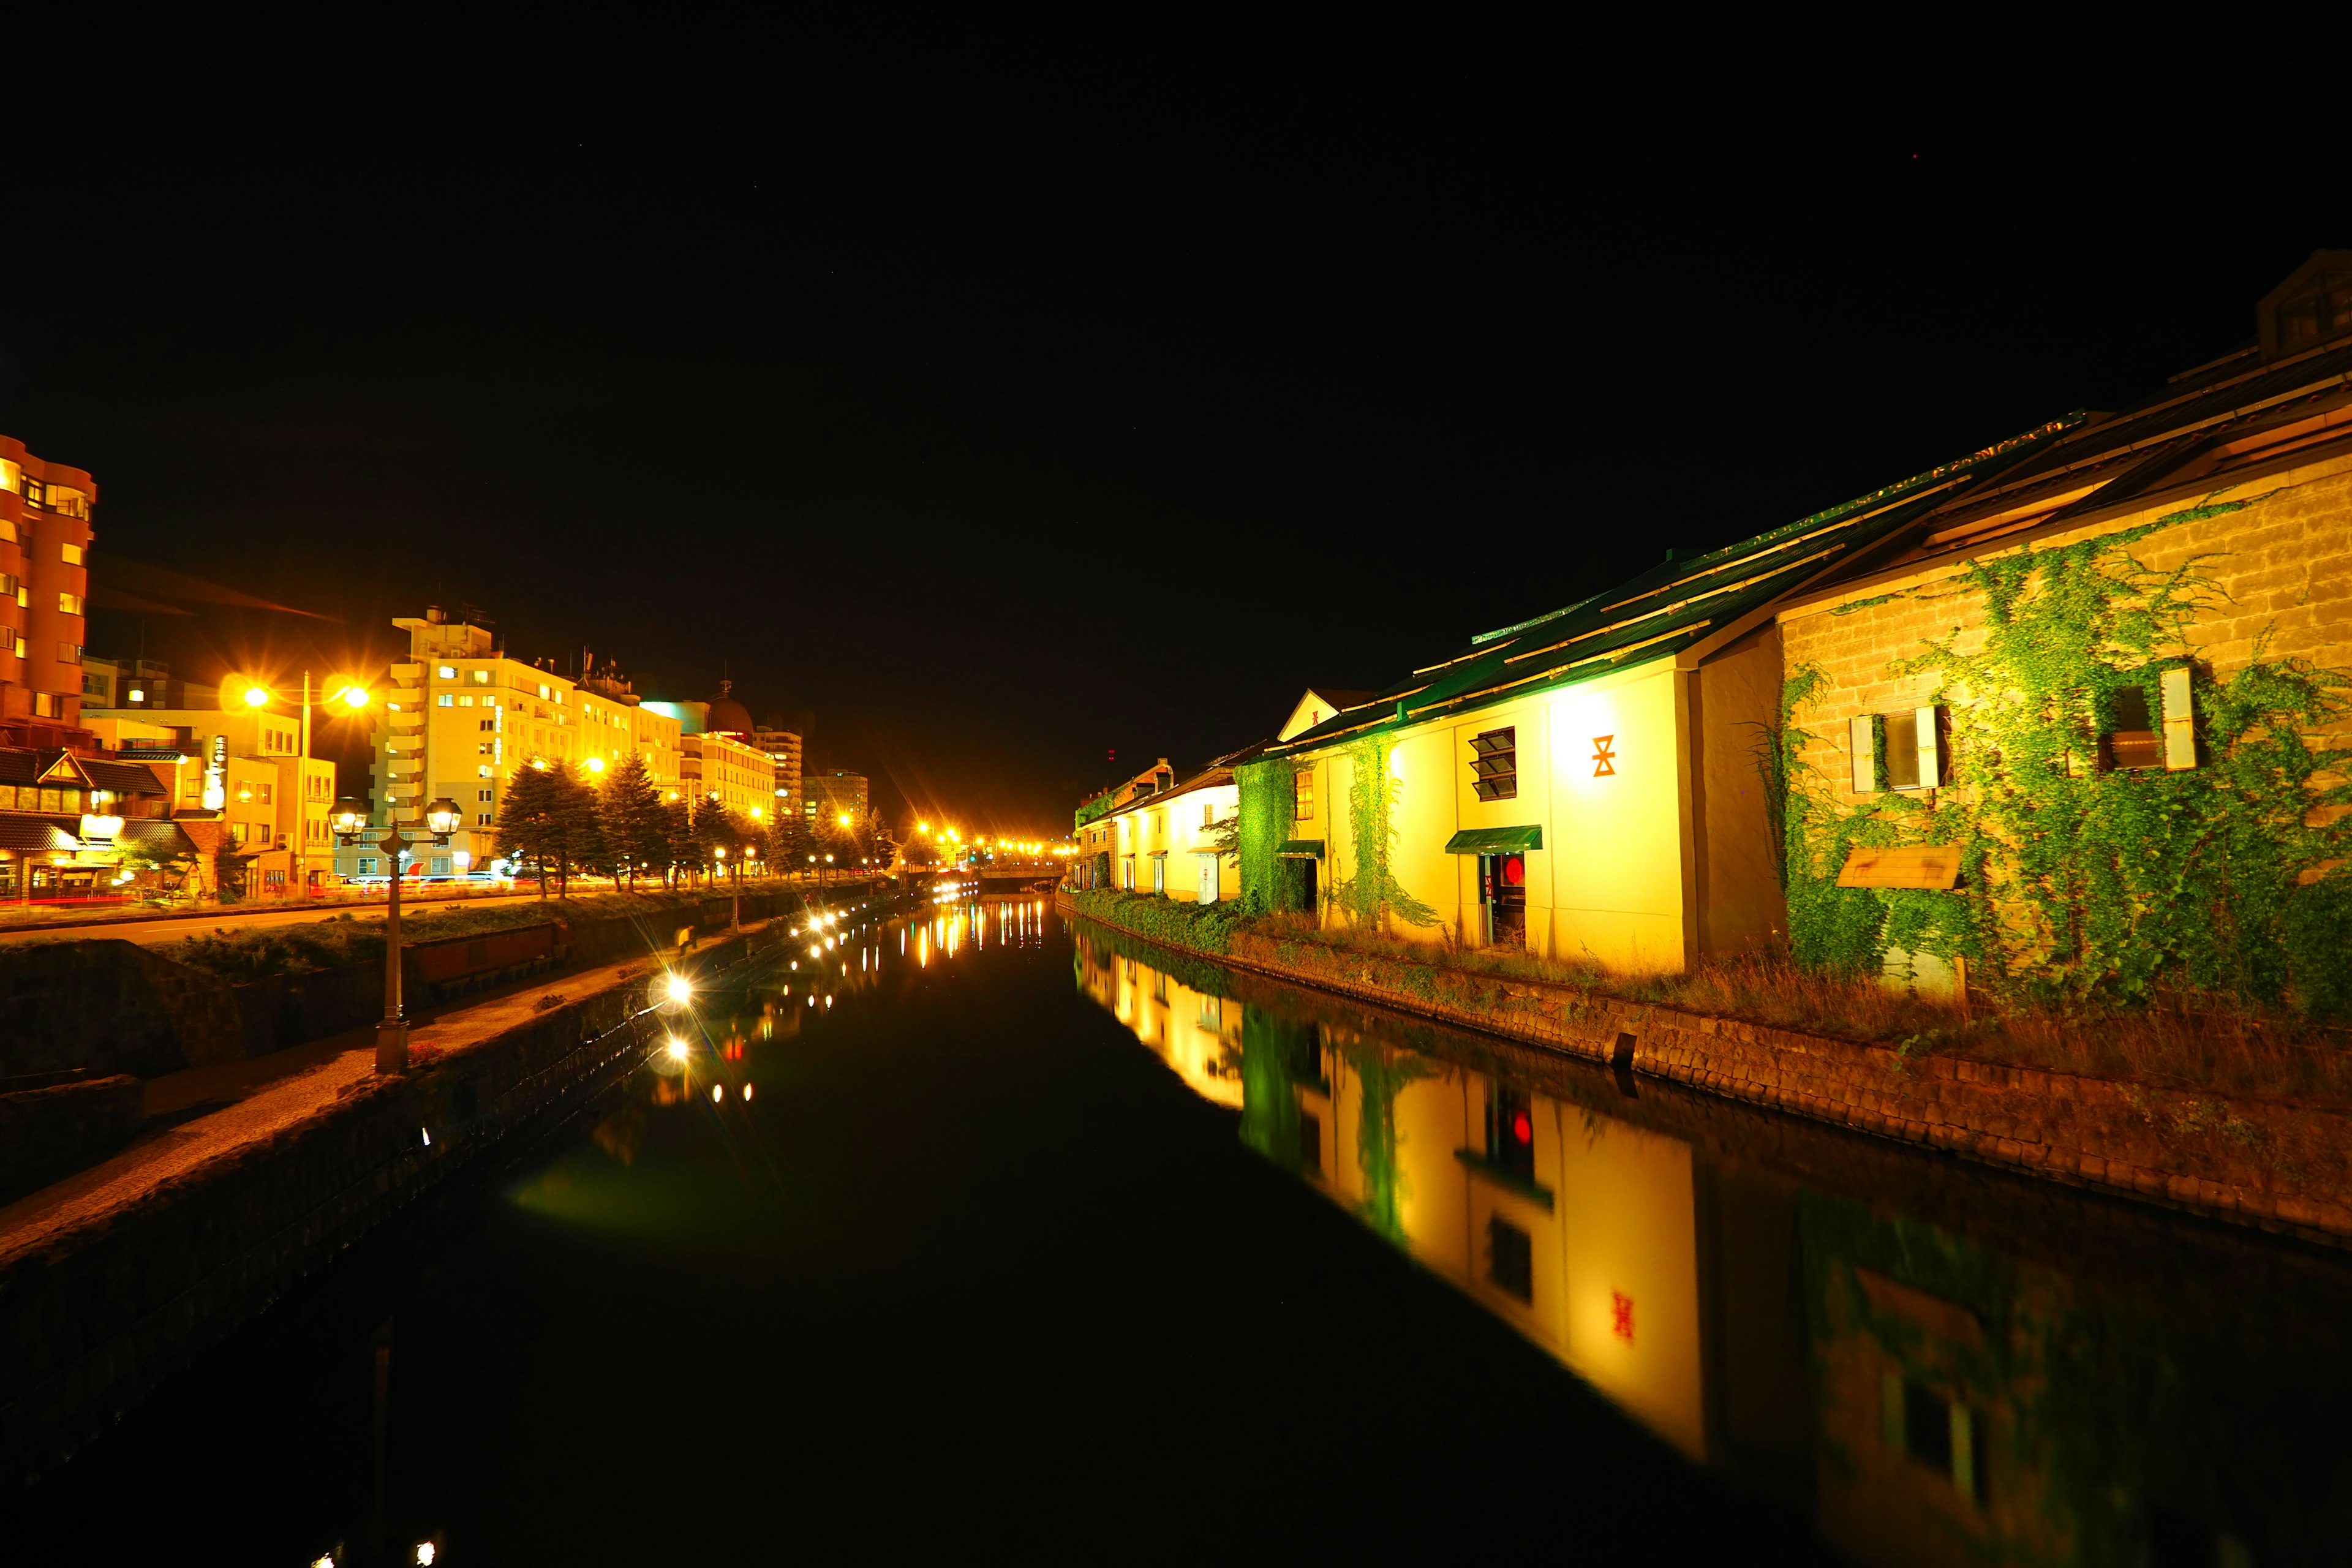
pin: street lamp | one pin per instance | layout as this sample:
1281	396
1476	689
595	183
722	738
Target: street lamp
351	824
349	698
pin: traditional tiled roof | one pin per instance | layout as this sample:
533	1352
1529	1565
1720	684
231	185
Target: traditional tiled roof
20	766
40	835
123	778
157	833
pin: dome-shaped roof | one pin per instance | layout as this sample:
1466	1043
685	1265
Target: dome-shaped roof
727	716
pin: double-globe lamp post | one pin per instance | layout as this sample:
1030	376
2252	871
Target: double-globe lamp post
351	824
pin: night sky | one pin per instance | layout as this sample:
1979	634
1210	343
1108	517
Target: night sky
981	443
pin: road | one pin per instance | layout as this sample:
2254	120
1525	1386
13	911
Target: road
148	932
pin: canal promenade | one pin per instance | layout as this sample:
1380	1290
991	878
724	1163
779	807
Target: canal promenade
115	1279
2266	1162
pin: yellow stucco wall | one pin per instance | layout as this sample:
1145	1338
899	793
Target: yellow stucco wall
1172	825
1609	882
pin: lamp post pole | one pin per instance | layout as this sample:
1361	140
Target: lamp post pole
439	820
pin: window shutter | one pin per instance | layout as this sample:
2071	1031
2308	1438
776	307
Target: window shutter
2180	731
1863	734
1930	775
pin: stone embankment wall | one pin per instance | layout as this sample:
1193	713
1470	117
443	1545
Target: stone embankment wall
94	1317
2253	1159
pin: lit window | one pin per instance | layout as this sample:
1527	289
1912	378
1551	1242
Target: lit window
480	676
467	701
1306	809
446	701
70	604
70	553
445	671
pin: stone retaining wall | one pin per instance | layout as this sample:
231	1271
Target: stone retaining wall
2254	1160
96	1317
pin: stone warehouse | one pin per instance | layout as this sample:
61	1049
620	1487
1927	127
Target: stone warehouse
2068	710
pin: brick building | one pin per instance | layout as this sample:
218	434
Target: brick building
45	536
2039	692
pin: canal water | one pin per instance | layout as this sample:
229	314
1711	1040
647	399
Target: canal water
966	1229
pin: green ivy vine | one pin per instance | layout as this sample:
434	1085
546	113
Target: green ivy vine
2078	882
1268	805
1374	890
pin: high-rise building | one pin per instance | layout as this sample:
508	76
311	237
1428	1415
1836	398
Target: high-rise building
44	581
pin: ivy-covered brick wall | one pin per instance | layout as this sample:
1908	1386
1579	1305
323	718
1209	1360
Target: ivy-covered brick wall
2077	880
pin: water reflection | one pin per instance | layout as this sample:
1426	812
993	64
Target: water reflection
1936	1365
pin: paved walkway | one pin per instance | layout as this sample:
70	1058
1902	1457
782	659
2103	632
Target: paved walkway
270	1094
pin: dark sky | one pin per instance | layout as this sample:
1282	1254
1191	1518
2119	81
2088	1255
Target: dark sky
987	441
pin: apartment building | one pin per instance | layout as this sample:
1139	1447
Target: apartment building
44	539
460	716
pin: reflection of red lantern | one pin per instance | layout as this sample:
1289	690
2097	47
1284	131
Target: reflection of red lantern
1515	871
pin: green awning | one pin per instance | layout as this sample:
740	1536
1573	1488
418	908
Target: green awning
1301	850
1494	840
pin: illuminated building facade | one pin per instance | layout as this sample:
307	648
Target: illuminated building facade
1587	781
719	757
459	705
45	539
834	794
783	749
243	768
65	817
1164	839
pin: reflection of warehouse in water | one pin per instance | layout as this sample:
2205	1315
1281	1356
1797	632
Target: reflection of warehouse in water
1881	1374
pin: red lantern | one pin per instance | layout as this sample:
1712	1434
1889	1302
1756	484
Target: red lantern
1515	871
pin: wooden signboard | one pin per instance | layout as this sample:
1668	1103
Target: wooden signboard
1914	865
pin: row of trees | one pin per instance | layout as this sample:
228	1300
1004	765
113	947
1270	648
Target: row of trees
555	823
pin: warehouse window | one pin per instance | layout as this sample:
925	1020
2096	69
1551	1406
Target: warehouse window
2321	311
1495	765
1510	1260
1902	751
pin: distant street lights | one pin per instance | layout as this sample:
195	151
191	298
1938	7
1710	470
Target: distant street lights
344	697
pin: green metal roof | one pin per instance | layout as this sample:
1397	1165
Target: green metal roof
1494	840
1662	612
1300	849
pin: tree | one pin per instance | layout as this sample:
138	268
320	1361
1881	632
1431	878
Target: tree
530	824
717	828
586	844
633	826
789	842
677	836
